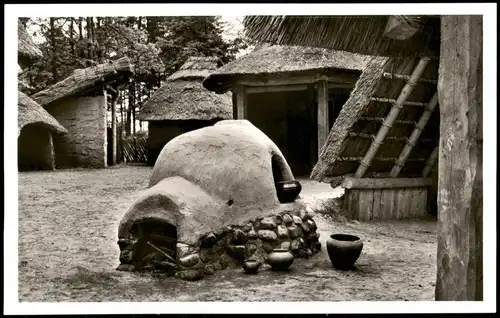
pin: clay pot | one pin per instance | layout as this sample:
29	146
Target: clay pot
343	250
288	191
280	259
251	266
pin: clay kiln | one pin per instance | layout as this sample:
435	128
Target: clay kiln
212	202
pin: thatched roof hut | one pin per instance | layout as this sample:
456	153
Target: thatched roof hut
35	135
27	51
183	97
30	112
277	60
83	81
458	41
182	104
371	100
79	103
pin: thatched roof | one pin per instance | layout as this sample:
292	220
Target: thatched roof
29	112
362	116
196	67
86	80
183	97
27	51
358	34
281	60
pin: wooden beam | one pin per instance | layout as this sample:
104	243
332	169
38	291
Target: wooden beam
113	129
370	136
297	80
113	91
379	159
323	122
392	101
385	183
417	131
340	85
460	186
407	78
381	119
275	88
241	102
429	164
391	117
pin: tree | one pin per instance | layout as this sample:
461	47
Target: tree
157	46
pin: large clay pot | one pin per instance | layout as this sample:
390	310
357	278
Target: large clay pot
251	266
288	191
280	259
344	250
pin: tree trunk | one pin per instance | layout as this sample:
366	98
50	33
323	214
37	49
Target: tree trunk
80	37
459	255
71	39
54	51
90	38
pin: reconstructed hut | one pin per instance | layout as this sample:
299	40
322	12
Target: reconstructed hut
292	93
182	104
457	42
79	103
35	129
35	124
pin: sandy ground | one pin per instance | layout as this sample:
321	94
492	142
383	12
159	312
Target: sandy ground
68	222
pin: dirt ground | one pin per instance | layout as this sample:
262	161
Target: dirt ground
68	222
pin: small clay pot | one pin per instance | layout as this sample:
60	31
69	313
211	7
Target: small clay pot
288	191
280	259
344	250
251	266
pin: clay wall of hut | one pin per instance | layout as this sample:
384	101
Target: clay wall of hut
85	144
79	103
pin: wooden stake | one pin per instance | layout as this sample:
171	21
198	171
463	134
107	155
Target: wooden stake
323	124
431	162
241	102
391	117
410	143
113	129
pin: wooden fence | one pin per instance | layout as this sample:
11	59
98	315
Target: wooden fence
135	149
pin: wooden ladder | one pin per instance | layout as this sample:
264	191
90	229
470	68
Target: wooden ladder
387	122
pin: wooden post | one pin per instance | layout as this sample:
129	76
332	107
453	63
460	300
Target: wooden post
323	126
460	195
391	117
113	128
241	102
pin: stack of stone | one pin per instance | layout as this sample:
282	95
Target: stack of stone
293	230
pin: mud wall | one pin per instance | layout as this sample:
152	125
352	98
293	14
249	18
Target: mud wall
85	144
